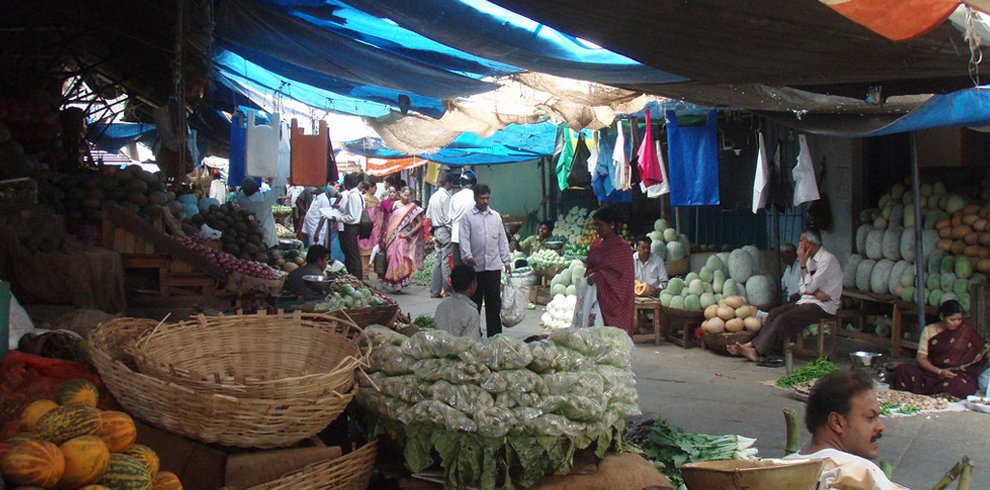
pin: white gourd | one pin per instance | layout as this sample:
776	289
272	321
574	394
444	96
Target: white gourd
863	272
849	271
714	263
740	265
891	244
676	250
907	244
730	287
880	276
760	290
658	248
929	239
707	301
896	273
896	215
861	233
718	280
874	244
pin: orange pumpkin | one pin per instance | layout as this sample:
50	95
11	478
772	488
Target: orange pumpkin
86	459
118	430
77	391
33	463
166	480
94	487
145	455
34	411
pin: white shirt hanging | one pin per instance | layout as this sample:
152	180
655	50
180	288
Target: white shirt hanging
805	183
762	180
283	166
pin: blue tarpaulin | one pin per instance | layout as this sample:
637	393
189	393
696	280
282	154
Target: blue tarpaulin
970	107
515	143
112	137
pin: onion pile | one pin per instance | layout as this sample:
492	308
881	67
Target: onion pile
229	263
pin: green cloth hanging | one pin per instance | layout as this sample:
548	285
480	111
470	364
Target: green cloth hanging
566	157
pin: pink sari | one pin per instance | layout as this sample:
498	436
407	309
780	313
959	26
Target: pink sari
377	216
402	254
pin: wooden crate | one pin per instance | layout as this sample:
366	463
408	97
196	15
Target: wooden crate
979	312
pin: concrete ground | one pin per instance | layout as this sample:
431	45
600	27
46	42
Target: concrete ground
705	392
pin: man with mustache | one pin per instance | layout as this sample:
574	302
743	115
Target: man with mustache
843	416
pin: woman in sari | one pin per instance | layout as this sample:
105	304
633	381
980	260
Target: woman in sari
403	242
949	355
374	207
610	269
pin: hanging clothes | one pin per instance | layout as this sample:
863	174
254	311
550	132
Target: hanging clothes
566	155
309	156
261	158
805	182
579	176
620	160
649	164
762	179
283	168
664	187
238	148
693	153
332	174
601	177
432	175
592	153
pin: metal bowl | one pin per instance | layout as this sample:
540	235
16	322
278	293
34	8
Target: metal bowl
864	359
554	244
318	281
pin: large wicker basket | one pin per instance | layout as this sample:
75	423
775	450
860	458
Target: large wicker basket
677	267
210	418
280	356
351	471
718	342
362	317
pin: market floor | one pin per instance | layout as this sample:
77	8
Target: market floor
704	392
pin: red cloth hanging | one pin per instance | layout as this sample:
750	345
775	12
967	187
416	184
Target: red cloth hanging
309	156
649	164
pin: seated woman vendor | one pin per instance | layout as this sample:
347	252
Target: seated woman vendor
949	357
534	243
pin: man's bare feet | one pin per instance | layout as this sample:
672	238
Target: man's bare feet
733	349
749	352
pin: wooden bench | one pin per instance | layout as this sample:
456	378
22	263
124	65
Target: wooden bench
648	305
819	350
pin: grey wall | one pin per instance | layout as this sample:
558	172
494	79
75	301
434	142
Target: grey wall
843	185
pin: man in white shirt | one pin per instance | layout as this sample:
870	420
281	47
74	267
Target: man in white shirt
323	217
460	204
485	247
790	278
821	290
218	189
438	212
843	416
648	268
260	205
351	206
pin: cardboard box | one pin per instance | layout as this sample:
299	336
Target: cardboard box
208	467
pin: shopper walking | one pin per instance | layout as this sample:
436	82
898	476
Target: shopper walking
438	212
351	206
484	246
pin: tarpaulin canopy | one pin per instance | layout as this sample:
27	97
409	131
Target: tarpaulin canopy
515	143
112	137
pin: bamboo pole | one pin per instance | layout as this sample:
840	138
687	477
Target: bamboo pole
966	475
948	477
793	432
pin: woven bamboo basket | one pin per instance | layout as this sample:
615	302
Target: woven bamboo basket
362	317
206	417
281	356
677	267
351	471
717	342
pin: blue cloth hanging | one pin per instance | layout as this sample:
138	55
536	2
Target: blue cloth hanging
601	180
238	150
693	160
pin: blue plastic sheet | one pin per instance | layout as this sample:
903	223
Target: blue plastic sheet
693	161
970	107
112	137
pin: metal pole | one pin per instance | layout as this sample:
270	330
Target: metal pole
919	253
4	317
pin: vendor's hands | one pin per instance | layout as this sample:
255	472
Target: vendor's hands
947	373
802	254
822	296
591	278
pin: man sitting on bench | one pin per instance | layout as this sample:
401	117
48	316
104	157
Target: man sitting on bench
821	290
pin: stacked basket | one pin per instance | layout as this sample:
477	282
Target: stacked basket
258	381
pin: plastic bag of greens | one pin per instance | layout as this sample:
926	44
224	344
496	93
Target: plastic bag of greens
382	405
455	372
515	380
548	356
499	353
379	335
390	360
554	425
494	421
623	409
437	412
436	343
580	383
605	345
466	398
406	388
616	383
582	408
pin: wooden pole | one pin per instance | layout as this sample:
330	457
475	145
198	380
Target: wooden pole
4	317
919	253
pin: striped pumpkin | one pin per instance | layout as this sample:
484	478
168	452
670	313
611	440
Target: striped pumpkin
77	391
145	455
86	459
34	411
117	430
21	437
166	480
93	487
33	463
69	421
126	473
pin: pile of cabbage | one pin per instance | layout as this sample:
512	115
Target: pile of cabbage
560	312
543	399
546	258
667	243
724	274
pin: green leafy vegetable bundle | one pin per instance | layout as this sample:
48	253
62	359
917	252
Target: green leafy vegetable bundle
500	413
671	448
817	369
